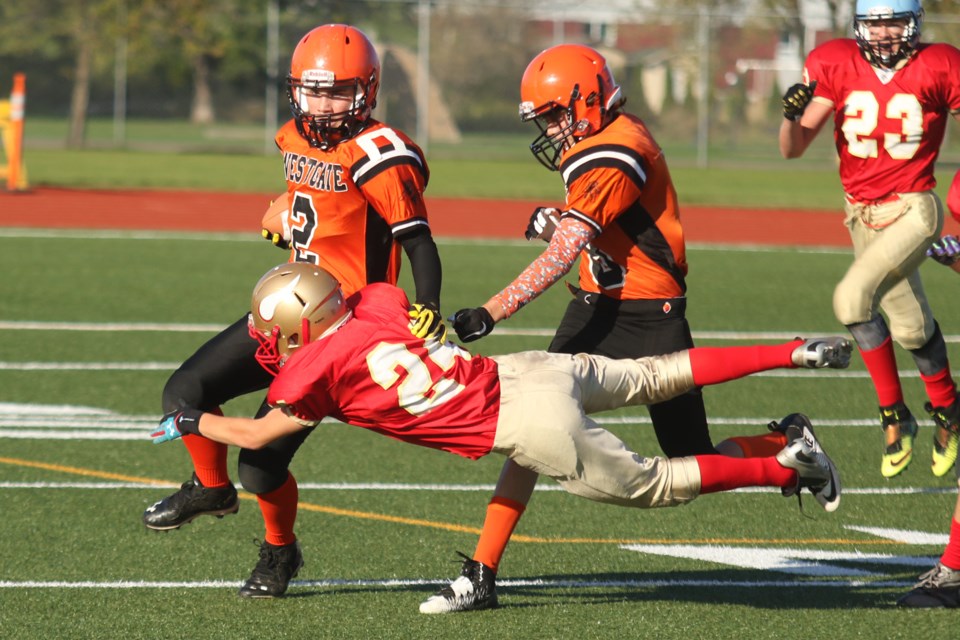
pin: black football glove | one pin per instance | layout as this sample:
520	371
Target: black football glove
796	99
946	250
176	423
543	223
275	238
426	323
472	324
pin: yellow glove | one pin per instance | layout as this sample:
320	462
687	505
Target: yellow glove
275	238
427	323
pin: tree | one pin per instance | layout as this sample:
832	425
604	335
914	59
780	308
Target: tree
51	28
204	31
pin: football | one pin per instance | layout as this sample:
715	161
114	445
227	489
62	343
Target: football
276	215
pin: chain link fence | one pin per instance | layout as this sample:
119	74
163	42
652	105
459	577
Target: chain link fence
708	81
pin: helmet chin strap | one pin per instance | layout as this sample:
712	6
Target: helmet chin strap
305	331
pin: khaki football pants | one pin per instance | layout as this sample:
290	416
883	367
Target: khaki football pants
890	241
543	424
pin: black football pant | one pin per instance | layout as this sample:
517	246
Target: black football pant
601	325
224	368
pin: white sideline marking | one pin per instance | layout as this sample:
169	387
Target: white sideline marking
174	327
389	583
241	236
71	422
805	562
903	536
171	366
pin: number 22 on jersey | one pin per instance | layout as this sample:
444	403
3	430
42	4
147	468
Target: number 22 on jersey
419	389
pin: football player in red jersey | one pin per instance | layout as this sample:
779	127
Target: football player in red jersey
358	361
355	192
940	587
622	221
890	97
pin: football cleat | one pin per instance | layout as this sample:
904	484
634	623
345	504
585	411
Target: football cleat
791	426
190	502
899	429
474	590
815	469
946	438
817	353
274	571
939	587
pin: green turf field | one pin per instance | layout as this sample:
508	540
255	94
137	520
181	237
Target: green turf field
93	323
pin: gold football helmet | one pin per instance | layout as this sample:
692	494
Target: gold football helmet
293	304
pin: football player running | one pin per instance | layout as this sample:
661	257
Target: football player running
621	219
890	97
357	360
355	192
940	587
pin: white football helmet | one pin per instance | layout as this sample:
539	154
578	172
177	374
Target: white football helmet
879	53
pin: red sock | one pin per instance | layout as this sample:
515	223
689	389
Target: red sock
502	516
720	473
951	555
209	458
279	509
760	446
713	365
882	365
941	388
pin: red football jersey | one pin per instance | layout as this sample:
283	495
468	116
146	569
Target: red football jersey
888	126
373	373
617	182
347	203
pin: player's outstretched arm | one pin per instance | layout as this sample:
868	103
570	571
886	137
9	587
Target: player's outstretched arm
248	433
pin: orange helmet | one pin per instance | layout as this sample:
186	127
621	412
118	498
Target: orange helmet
292	305
572	79
333	56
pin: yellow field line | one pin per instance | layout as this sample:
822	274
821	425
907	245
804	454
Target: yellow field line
446	526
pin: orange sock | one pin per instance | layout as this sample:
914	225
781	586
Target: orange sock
209	458
279	509
502	516
762	446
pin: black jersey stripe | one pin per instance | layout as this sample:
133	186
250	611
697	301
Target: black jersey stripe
613	156
637	223
367	169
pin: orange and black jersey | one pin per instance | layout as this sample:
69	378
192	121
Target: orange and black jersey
351	203
617	182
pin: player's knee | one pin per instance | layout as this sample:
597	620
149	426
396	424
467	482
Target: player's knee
183	389
260	480
850	305
912	336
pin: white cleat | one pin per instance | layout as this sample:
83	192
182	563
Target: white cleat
817	353
814	467
474	590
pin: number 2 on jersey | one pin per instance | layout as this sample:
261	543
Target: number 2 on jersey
303	219
417	390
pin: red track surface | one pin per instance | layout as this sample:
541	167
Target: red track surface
201	211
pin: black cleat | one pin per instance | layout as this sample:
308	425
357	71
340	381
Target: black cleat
475	589
191	501
939	587
273	573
